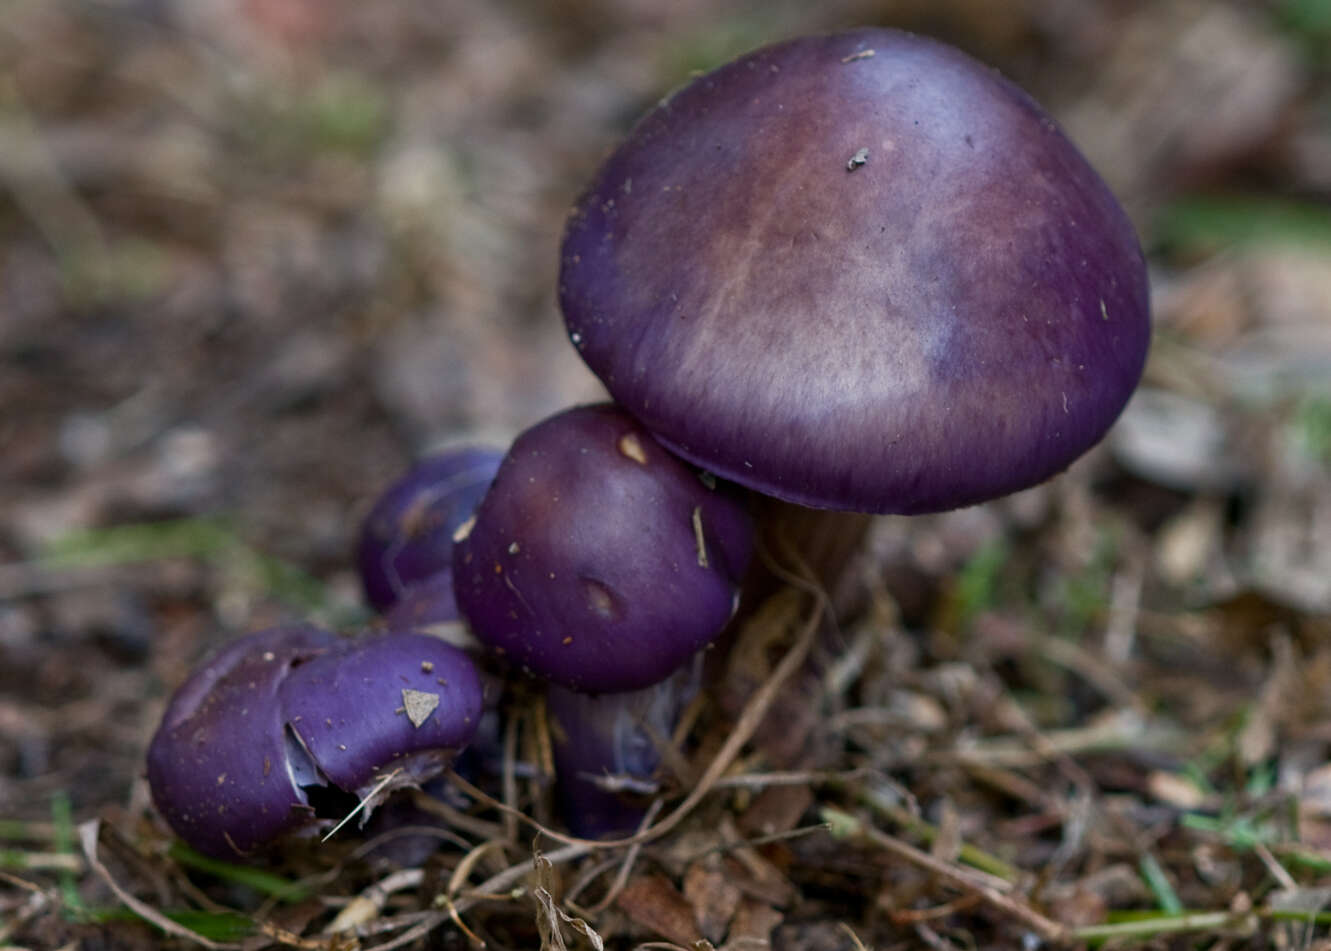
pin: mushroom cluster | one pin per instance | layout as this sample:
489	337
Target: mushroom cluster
291	728
857	272
293	725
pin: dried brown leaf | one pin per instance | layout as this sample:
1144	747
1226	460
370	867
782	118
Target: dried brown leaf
713	895
775	809
752	927
653	903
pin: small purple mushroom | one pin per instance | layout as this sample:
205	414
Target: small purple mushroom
598	560
859	272
221	766
408	536
402	701
289	718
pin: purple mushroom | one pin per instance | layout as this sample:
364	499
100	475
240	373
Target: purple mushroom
607	750
859	272
408	536
401	702
430	606
598	560
288	720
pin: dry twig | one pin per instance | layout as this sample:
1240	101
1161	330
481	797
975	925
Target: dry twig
990	889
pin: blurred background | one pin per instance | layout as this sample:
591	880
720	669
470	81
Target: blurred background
256	255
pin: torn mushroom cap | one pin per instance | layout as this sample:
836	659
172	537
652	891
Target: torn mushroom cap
220	767
289	711
400	702
859	271
598	560
408	536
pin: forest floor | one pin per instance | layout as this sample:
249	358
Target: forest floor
257	256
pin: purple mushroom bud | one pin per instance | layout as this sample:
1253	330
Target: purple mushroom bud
598	560
408	536
431	606
607	750
859	271
287	719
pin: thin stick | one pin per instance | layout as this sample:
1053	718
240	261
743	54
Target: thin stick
801	777
510	876
408	936
384	781
88	833
509	777
368	904
455	817
488	890
988	888
469	862
732	846
630	857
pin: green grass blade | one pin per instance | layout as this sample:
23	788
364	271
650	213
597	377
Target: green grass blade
266	883
221	926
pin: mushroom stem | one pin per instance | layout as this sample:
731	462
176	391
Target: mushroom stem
827	541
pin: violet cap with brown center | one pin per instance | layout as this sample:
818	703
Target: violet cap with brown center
860	271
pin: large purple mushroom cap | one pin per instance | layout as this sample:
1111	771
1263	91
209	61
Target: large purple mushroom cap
859	271
598	560
408	536
266	728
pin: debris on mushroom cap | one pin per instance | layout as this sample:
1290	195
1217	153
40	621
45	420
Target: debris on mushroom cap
583	565
408	535
959	318
347	708
291	711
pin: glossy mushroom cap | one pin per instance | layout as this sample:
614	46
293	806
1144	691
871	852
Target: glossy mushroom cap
289	712
598	560
401	702
859	271
408	536
219	764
